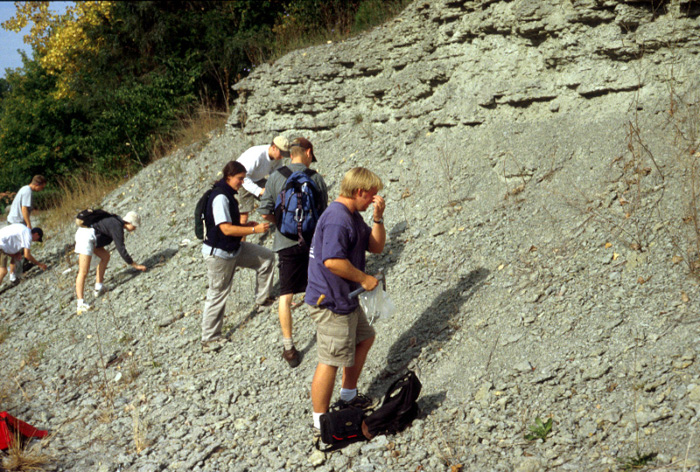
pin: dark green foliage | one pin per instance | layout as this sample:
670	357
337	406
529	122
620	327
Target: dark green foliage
155	62
35	129
637	462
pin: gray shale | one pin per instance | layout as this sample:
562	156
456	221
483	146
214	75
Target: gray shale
536	159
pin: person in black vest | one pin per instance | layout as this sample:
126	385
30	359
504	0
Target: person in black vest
223	251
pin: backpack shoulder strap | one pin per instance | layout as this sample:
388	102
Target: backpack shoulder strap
285	171
309	172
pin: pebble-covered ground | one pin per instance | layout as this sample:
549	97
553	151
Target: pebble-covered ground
537	272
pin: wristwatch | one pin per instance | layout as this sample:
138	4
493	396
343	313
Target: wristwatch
380	222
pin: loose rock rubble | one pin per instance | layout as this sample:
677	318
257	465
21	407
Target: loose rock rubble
534	156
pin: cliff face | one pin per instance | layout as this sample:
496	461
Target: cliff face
539	161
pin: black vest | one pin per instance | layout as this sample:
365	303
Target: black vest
215	238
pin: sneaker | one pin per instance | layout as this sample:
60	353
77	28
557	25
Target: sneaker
100	292
83	308
13	277
291	356
214	345
364	402
360	401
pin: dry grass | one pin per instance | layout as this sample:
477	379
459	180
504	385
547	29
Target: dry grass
35	354
196	126
140	432
77	193
25	458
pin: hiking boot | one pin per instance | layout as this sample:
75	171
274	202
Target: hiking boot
360	401
82	308
100	292
261	306
214	345
364	402
291	356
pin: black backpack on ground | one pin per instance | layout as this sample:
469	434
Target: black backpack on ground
399	408
199	210
340	428
88	217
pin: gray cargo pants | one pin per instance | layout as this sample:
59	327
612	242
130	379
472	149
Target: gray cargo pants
220	272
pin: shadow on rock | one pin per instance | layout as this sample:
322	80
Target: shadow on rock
430	403
431	327
396	242
156	260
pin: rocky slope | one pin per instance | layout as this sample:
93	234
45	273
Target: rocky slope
538	162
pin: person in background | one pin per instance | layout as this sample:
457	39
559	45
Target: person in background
92	241
20	212
293	257
15	241
259	162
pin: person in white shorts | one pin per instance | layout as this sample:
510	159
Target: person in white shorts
20	212
15	241
89	241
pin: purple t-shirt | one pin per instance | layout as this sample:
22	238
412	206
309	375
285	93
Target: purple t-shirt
339	234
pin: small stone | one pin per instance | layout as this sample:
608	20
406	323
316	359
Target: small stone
317	458
523	366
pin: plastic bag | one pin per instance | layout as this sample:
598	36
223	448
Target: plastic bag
377	304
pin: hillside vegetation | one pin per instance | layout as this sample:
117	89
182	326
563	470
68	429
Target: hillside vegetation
112	85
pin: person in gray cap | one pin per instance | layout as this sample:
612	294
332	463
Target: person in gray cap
15	240
259	162
89	241
293	256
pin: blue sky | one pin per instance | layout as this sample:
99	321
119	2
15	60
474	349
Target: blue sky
10	42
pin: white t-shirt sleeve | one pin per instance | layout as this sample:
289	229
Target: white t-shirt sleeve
26	198
26	238
220	209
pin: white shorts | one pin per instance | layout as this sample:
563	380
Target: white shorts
85	241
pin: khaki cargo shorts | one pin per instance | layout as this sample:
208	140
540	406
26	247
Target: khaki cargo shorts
337	335
5	259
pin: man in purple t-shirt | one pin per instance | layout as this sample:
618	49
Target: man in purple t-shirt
336	268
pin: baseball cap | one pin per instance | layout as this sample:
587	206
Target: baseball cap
282	144
40	232
305	144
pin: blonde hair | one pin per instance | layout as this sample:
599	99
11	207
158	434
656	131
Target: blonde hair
359	178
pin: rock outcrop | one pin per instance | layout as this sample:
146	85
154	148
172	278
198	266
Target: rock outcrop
538	160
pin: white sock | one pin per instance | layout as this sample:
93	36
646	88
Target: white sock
347	394
80	302
98	287
317	420
288	343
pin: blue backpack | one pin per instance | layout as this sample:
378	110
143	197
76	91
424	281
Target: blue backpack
296	206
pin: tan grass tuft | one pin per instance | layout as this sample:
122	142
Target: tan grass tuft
197	126
140	431
25	458
77	193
